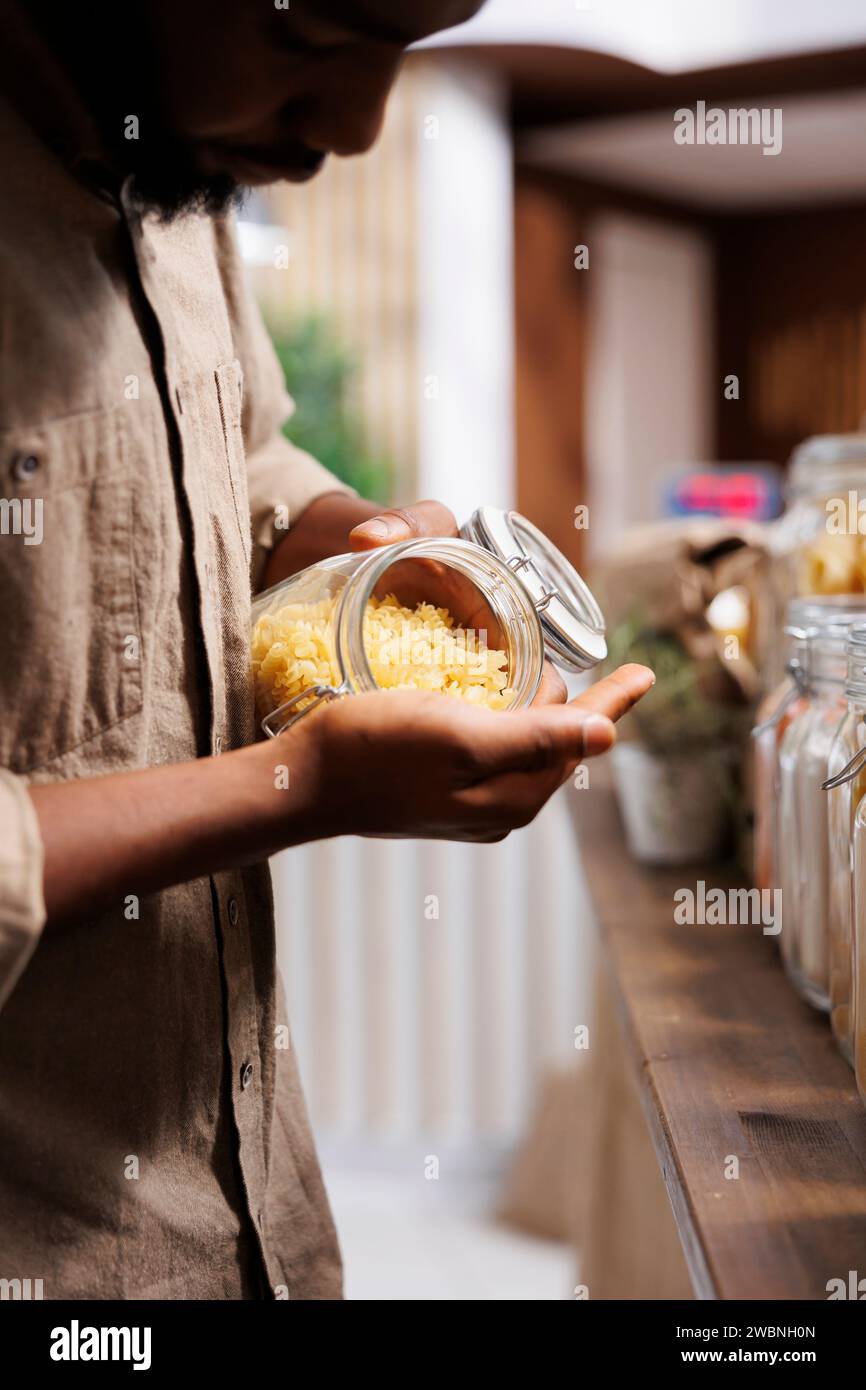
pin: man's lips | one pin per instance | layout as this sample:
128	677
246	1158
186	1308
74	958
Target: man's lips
253	166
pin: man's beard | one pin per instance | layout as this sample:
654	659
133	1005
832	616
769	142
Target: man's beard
165	177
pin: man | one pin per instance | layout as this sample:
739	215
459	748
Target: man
153	1139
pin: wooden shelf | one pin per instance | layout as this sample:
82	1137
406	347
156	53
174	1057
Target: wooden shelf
730	1062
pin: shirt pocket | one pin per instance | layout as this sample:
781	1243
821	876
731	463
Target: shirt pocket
229	384
72	641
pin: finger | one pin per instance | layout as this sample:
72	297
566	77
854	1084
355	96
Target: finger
557	736
549	736
538	740
403	524
617	693
552	689
513	798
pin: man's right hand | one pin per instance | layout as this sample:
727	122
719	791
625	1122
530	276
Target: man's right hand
417	764
395	763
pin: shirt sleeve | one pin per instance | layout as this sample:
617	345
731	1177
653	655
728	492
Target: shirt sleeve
282	479
22	904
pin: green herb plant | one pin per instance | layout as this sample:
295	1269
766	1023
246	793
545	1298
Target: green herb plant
320	375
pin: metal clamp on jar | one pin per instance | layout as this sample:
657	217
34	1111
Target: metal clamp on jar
534	597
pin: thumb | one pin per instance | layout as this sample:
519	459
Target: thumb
403	524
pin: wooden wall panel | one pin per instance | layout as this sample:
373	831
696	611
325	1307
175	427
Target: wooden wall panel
792	326
551	314
553	213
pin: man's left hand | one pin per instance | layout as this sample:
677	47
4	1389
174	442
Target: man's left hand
337	522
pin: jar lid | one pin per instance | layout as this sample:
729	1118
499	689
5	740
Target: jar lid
571	620
824	617
855	650
827	461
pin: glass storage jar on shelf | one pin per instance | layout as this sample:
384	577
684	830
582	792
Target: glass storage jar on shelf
804	839
513	597
846	787
858	952
816	545
775	712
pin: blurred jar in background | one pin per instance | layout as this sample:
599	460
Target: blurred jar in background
776	711
819	535
804	752
817	545
772	719
846	772
858	955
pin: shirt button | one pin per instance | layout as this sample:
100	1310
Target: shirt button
246	1075
24	466
233	911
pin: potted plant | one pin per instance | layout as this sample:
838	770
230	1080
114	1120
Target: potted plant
677	762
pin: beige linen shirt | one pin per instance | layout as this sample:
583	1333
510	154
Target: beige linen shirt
153	1136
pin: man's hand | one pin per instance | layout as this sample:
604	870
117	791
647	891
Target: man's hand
336	522
395	763
407	763
403	524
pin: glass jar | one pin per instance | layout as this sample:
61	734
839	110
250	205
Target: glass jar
803	830
329	631
775	712
858	952
846	787
816	545
819	534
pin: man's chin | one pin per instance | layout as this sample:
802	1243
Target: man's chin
290	175
212	182
253	171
